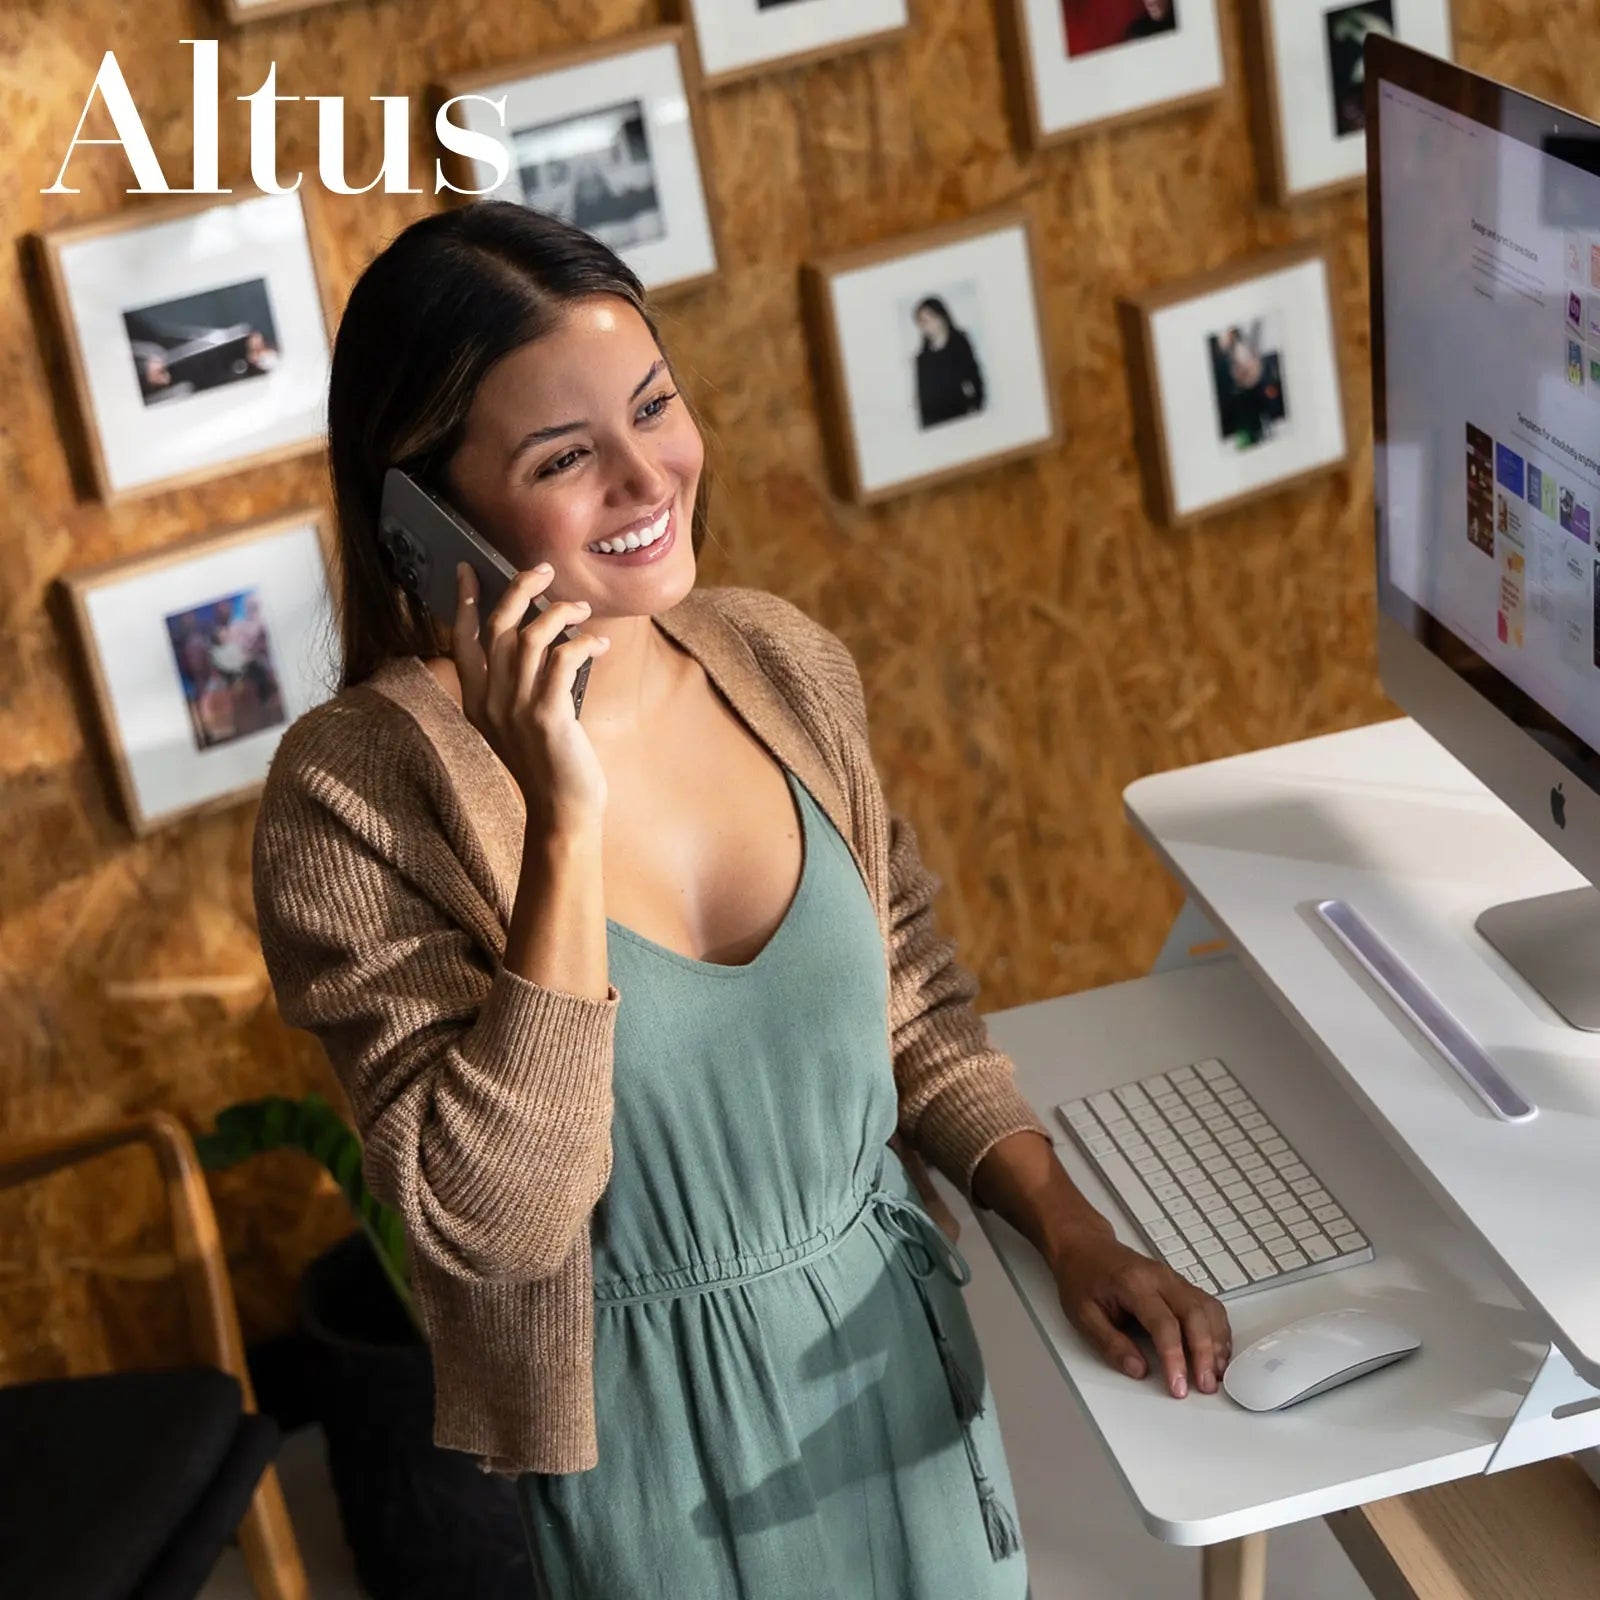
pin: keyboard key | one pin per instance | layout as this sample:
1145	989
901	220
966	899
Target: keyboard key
1169	1101
1237	1191
1098	1146
1284	1202
1211	1069
1327	1213
1279	1248
1185	1127
1211	1251
1201	1279
1292	1170
1252	1121
1293	1214
1271	1147
1291	1261
1319	1250
1350	1243
1228	1274
1258	1264
1269	1188
1187	1258
1268	1232
1305	1186
1130	1094
1166	1192
1316	1197
1256	1216
1254	1163
1129	1187
1158	1084
1148	1166
1342	1226
1231	1231
1305	1230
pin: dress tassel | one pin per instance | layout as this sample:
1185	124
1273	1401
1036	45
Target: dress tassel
997	1523
963	1391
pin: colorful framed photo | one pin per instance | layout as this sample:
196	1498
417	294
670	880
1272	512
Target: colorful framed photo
932	355
1235	382
736	39
1076	65
197	336
606	137
198	655
1309	90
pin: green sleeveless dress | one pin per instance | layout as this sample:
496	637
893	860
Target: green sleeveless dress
790	1400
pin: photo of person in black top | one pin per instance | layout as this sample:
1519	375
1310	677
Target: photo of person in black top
1249	384
949	379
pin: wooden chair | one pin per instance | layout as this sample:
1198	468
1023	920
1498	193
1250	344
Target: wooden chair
264	1533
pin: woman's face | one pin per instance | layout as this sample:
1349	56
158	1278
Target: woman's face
577	437
931	323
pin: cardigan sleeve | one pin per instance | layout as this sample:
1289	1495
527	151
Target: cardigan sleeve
958	1092
482	1100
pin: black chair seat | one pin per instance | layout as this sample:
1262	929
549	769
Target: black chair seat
124	1485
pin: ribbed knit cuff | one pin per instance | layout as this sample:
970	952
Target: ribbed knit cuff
549	1039
960	1126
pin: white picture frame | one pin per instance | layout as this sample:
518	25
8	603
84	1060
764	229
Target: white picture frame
736	39
198	337
933	355
197	656
1074	66
1235	384
1308	90
619	119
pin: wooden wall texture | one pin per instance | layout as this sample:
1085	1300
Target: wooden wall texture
1029	643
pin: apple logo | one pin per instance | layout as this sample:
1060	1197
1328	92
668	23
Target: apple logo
1558	806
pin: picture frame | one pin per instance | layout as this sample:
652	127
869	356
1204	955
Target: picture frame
1079	66
245	11
1235	384
196	334
610	137
902	412
735	40
196	656
1307	54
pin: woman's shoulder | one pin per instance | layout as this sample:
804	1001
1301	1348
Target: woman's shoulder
794	649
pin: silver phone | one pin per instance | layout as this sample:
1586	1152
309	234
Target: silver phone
423	538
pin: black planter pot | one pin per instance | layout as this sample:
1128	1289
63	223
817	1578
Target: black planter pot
422	1523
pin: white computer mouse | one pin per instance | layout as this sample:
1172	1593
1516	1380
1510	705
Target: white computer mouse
1315	1354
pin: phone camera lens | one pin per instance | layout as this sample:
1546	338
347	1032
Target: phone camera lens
408	575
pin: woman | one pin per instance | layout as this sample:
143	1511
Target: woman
949	380
629	1008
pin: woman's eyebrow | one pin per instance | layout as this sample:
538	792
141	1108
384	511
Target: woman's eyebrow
540	435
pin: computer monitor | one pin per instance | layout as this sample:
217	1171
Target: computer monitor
1483	210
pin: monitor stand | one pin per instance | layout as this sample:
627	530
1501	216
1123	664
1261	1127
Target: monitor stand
1553	940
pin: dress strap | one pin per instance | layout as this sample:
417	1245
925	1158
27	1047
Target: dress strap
927	1249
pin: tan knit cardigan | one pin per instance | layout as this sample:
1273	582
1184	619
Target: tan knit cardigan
386	859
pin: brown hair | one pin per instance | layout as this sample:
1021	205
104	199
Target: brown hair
433	311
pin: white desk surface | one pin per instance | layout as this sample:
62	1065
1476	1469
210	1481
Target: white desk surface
1385	818
1202	1469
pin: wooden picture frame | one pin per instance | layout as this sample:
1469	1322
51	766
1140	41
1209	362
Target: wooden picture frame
206	745
693	207
240	13
105	378
1041	78
1298	162
1175	472
721	64
900	402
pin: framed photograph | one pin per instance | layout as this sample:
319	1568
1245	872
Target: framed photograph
1076	65
197	656
197	335
1235	382
931	355
739	38
253	10
1308	92
608	137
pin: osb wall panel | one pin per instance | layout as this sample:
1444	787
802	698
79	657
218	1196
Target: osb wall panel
1029	643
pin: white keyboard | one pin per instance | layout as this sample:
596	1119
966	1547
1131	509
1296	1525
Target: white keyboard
1218	1193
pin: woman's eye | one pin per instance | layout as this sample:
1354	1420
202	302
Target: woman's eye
660	401
651	409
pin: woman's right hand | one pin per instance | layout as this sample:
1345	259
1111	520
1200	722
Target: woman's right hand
516	690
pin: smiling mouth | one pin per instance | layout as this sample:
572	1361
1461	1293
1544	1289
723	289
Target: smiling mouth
656	533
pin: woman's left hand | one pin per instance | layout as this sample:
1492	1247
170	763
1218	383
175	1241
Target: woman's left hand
1102	1283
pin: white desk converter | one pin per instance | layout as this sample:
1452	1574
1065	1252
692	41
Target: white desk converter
1202	1470
1384	818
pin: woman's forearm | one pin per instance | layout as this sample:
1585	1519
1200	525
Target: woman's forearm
1022	1180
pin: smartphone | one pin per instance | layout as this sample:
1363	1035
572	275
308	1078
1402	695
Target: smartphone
423	538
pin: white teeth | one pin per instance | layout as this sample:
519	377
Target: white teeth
632	541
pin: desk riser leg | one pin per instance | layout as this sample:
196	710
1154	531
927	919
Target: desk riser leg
1192	938
1235	1569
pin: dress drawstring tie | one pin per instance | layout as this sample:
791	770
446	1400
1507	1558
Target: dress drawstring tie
927	1250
